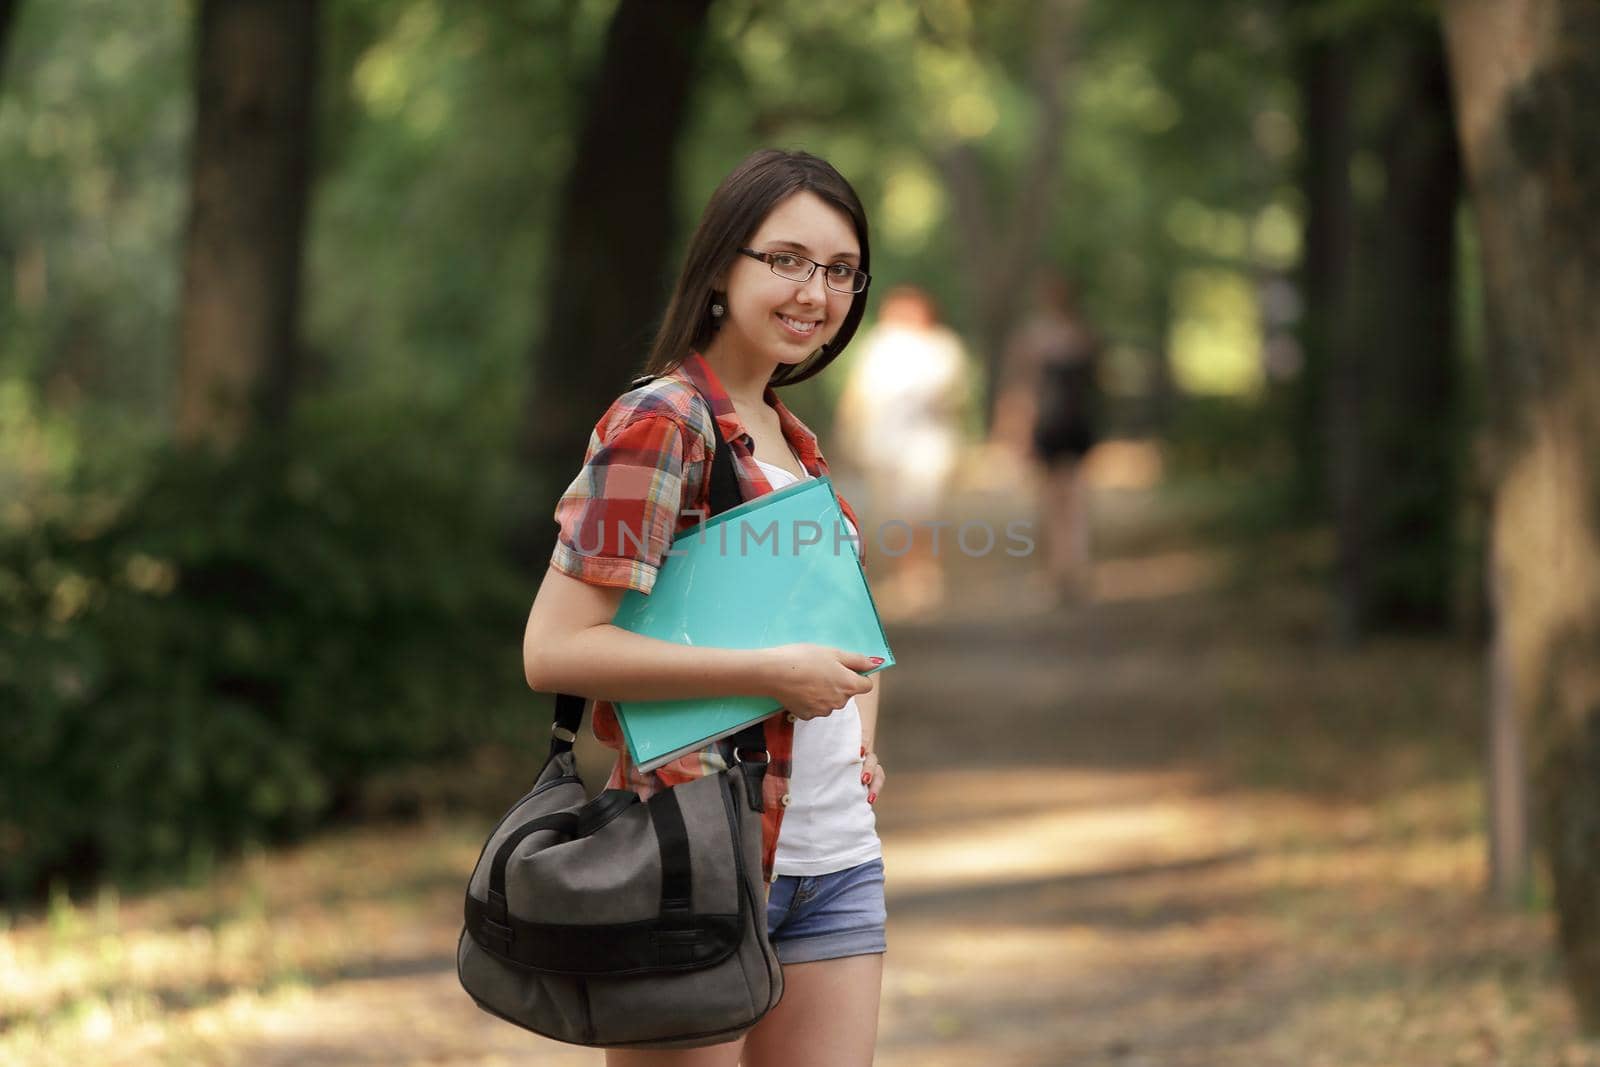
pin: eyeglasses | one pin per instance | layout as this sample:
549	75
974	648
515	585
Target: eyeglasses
840	277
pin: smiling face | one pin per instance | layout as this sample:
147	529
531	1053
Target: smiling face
778	319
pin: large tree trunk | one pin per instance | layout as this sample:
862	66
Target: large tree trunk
608	270
1526	74
1413	411
1380	337
254	86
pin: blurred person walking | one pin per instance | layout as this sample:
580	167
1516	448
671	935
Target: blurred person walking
1047	412
899	420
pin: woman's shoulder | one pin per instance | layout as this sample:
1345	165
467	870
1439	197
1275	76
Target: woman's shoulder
662	397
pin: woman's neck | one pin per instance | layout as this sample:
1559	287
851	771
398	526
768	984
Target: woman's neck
744	378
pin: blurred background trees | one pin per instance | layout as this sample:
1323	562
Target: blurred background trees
308	308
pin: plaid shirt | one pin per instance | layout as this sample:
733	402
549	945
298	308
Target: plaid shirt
646	479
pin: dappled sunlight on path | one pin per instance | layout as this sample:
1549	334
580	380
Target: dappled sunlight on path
959	844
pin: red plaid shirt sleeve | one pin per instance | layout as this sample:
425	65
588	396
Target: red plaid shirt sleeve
620	514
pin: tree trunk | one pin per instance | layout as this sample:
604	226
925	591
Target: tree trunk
255	71
1414	409
1382	359
1526	74
1160	401
1325	82
608	267
8	16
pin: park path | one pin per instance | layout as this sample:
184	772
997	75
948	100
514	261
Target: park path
1056	878
1067	883
1045	858
1057	872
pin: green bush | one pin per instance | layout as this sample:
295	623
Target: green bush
227	651
1225	436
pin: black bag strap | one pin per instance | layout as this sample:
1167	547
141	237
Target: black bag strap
672	839
724	494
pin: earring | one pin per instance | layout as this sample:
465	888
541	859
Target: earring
717	311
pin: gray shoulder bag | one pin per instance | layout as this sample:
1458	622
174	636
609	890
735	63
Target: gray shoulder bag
621	923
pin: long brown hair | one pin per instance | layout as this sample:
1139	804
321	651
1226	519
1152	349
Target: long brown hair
731	217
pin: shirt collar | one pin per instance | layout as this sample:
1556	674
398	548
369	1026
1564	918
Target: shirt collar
698	371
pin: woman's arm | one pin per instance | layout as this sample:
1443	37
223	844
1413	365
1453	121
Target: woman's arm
871	769
570	646
867	705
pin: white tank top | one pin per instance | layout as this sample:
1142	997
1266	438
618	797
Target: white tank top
828	825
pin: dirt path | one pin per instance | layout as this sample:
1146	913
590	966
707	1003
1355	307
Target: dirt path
1165	828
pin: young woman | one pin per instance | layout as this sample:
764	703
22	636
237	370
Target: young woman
772	288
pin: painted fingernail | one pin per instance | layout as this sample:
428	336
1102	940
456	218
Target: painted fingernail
876	660
866	779
871	797
863	751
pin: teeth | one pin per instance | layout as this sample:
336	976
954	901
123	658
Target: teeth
803	327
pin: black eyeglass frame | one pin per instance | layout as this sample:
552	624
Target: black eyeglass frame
767	258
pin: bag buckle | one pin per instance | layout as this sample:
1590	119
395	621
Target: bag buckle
740	757
561	733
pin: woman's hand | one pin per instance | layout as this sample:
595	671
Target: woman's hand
872	775
811	681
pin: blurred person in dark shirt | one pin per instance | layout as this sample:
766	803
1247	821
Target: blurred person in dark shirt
1047	411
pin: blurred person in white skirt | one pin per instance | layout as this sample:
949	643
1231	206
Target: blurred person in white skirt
900	421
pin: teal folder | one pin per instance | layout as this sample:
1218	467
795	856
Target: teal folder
774	570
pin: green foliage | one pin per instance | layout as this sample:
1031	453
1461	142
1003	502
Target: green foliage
1230	453
445	131
1213	435
93	134
225	653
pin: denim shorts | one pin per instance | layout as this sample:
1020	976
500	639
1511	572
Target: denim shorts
826	916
